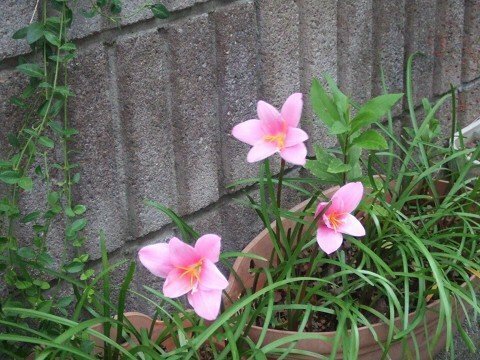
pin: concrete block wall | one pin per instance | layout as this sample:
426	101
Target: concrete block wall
156	99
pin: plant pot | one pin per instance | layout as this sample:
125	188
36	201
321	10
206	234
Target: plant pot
139	321
468	132
368	346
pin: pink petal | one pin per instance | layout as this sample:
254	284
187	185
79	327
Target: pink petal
336	206
292	109
351	195
177	284
329	240
211	277
320	208
295	136
156	258
208	247
296	154
351	226
182	254
261	150
206	303
267	112
249	131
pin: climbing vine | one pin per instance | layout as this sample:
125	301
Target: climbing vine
38	174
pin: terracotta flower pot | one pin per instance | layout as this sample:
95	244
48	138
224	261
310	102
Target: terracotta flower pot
139	321
368	346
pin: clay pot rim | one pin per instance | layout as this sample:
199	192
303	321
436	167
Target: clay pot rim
261	236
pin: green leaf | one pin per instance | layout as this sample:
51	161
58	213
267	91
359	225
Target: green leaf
159	11
337	166
31	70
69	212
13	140
53	198
76	226
45	260
87	274
64	301
53	108
9	177
22	285
45	85
56	107
70	132
30	217
115	7
26	253
76	178
338	127
30	132
21	33
46	141
63	90
82	258
371	140
56	126
74	267
25	183
340	99
52	38
79	209
44	286
319	166
34	32
374	109
68	47
322	104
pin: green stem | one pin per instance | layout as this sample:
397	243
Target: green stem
279	201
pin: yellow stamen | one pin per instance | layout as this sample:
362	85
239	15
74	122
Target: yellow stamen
335	220
279	139
192	271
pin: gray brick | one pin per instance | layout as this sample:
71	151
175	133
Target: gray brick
15	15
355	56
471	44
240	224
389	41
102	188
420	36
208	221
237	56
318	39
194	110
146	118
280	50
82	26
448	46
131	13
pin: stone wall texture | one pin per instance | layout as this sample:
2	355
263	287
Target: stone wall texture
156	99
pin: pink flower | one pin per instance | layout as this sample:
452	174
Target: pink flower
275	131
337	220
189	270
